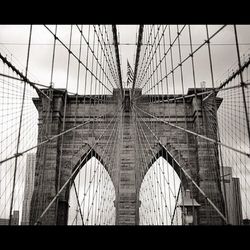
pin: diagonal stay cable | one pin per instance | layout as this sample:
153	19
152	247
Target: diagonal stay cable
150	57
85	192
158	46
19	129
143	159
170	189
207	94
105	53
109	44
232	77
94	53
190	178
172	219
74	172
105	149
54	137
118	65
184	60
196	134
101	201
154	156
110	163
144	57
70	51
78	203
23	77
139	42
165	53
44	86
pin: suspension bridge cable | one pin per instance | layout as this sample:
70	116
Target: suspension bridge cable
88	44
216	118
138	50
76	113
165	52
113	54
58	168
188	57
185	109
52	138
19	131
242	84
196	134
112	70
78	203
117	57
147	38
70	51
23	77
194	183
153	53
88	188
155	174
72	175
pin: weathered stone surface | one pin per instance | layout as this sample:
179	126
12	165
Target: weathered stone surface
123	162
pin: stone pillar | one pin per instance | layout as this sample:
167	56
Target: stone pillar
208	163
127	201
47	161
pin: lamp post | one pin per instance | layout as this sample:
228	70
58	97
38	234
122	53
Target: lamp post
189	207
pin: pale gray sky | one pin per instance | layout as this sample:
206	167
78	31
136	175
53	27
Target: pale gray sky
14	39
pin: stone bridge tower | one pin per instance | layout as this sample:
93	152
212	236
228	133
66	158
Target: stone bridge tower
197	156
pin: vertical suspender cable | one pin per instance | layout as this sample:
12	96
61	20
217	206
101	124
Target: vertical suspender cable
243	95
117	58
215	110
20	126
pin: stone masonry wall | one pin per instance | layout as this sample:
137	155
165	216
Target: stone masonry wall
122	164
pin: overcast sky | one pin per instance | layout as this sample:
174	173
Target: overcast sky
14	39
